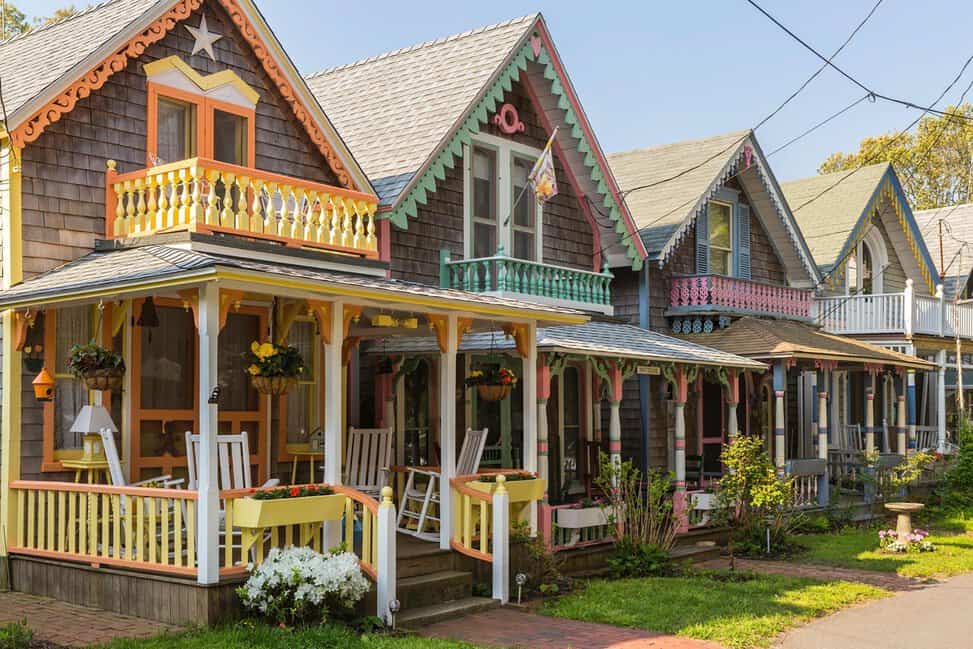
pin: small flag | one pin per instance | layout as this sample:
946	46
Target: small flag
542	178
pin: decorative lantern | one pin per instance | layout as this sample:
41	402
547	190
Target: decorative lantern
43	386
88	423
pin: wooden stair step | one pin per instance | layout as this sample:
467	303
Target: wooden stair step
426	615
434	588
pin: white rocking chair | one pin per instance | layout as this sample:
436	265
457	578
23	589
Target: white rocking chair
367	459
425	500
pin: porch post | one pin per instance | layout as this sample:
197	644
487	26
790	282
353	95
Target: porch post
333	372
531	437
900	421
543	394
870	411
208	503
732	399
823	495
941	399
9	442
615	420
780	423
681	390
447	428
910	397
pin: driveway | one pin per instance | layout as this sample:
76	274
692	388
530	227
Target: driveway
937	616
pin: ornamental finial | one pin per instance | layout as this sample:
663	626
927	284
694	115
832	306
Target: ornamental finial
386	495
501	484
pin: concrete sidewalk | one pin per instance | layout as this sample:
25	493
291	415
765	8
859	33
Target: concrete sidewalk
939	615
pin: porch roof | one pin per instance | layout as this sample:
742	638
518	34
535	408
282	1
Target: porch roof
144	269
782	339
594	338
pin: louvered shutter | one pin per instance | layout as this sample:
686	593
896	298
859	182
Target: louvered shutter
702	241
742	229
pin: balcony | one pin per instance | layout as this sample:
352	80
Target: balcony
505	276
902	313
202	195
716	294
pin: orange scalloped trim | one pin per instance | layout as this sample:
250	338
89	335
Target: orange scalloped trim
65	102
300	112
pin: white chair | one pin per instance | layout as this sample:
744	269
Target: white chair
234	461
115	467
425	500
367	459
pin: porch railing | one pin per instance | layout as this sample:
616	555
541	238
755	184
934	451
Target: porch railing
130	527
703	293
204	195
566	527
502	274
904	313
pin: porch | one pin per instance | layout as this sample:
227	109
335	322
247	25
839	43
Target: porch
182	319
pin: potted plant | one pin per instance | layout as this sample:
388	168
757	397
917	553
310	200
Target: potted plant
98	367
273	368
587	513
522	486
493	382
288	506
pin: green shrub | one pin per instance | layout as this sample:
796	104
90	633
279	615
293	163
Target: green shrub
632	559
958	488
16	635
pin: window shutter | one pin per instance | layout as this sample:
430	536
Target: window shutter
742	228
702	241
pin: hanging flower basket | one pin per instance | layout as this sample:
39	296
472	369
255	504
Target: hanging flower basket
273	385
105	380
493	392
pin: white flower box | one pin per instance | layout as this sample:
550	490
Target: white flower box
573	519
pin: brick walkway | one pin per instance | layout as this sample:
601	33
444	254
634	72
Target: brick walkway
887	580
73	626
508	627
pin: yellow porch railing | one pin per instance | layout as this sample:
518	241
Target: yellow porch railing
203	195
472	518
132	527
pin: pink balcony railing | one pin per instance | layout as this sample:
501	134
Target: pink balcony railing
730	294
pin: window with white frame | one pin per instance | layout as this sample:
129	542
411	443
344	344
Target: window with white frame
865	267
500	209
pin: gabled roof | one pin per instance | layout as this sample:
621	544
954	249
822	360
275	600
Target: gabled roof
610	339
953	267
784	339
47	70
666	186
834	211
429	100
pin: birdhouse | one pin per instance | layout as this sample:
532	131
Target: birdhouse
43	386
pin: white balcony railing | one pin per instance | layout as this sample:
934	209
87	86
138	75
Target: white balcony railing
895	313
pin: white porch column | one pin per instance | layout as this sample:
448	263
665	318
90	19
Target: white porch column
822	417
900	424
543	394
531	435
447	428
208	502
680	394
732	399
910	400
941	399
333	371
870	413
780	422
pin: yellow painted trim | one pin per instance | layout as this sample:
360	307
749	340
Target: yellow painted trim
10	209
10	432
203	82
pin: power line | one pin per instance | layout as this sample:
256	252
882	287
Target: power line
818	125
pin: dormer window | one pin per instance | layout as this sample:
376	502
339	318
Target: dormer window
864	270
498	202
723	236
720	239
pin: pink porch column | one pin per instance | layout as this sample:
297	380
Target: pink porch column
679	498
732	399
615	420
543	394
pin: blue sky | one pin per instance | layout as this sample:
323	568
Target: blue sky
656	72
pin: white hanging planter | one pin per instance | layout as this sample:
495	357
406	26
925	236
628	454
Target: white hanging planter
574	519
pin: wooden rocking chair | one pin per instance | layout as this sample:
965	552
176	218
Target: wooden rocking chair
368	459
425	499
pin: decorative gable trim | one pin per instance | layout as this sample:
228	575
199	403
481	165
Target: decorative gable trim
93	80
205	83
534	50
747	154
890	189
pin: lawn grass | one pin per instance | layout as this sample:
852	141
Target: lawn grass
857	548
266	637
737	614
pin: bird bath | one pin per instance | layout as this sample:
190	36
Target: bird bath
903	523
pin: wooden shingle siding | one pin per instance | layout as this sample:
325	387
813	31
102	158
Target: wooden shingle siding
64	170
567	234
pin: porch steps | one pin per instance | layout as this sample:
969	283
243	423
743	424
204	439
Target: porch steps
422	591
415	618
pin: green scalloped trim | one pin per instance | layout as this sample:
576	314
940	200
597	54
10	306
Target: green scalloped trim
453	149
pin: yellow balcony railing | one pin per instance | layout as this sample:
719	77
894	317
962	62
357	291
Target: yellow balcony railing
202	195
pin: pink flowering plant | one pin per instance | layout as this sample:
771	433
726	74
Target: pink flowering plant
889	541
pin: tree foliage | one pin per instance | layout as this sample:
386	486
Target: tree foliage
16	21
934	163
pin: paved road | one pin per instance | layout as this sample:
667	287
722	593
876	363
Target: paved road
940	616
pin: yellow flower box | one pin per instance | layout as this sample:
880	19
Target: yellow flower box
253	513
521	491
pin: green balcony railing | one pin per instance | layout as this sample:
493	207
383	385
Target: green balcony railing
502	274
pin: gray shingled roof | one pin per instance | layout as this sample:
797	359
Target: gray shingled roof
31	62
415	97
659	211
957	231
122	268
595	338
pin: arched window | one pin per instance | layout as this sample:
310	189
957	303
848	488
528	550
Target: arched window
865	267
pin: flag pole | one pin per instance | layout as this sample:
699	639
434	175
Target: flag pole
523	191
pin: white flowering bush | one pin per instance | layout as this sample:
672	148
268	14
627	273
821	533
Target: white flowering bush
297	585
